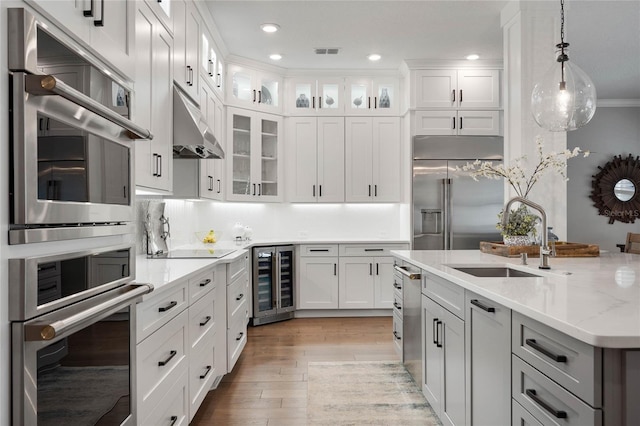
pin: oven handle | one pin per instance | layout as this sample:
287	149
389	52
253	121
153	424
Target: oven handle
69	325
43	85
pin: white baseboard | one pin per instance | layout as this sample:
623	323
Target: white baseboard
336	313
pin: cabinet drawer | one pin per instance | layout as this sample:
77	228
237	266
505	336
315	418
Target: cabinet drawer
550	403
397	334
155	312
307	250
236	268
573	364
397	303
202	371
445	293
160	359
237	298
369	249
201	284
236	341
521	417
202	318
174	405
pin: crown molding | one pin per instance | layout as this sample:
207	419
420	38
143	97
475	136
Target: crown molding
617	103
447	64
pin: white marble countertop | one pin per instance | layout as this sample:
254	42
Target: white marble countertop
595	299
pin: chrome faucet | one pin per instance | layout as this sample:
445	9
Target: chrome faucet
545	251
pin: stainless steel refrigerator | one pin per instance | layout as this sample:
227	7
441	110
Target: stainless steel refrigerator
273	284
450	210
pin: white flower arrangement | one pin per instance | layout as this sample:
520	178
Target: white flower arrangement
516	173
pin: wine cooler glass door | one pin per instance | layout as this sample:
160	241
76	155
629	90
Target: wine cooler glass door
286	274
265	277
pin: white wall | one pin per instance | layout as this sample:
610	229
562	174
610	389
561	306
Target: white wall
611	132
309	222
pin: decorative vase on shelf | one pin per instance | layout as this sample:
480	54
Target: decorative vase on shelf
516	240
329	100
385	102
357	102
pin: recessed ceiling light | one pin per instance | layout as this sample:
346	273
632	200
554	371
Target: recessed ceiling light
473	57
374	57
270	28
275	57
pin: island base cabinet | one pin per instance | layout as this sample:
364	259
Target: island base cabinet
173	408
488	361
521	417
444	369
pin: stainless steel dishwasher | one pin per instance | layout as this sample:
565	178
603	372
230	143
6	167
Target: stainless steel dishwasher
411	320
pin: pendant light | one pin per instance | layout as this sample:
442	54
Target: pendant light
565	99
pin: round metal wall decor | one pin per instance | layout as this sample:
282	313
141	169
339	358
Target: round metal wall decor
615	190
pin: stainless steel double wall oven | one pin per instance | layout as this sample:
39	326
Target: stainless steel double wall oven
72	311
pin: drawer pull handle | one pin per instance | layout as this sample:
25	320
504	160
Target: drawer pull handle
322	250
240	296
531	393
438	333
397	306
395	285
395	334
373	249
169	306
205	282
174	419
166	361
206	373
535	345
240	336
206	320
404	271
485	308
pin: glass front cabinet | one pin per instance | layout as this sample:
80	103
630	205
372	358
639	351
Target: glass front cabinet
255	158
366	96
254	89
310	96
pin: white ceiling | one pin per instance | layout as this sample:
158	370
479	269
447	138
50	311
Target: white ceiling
604	34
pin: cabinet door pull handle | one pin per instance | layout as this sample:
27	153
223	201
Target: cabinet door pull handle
375	190
254	95
89	13
100	22
254	189
211	183
399	287
219	185
206	373
453	95
558	414
335	269
398	307
371	269
171	305
259	189
377	269
240	296
440	333
219	83
479	304
460	123
460	96
186	77
205	282
239	336
434	329
320	102
166	361
535	345
259	96
174	419
453	120
313	102
159	165
395	334
206	320
369	190
375	102
211	68
155	164
369	102
314	190
320	193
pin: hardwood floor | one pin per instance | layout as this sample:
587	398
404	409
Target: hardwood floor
268	385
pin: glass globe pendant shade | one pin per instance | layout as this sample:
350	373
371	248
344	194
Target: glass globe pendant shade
565	99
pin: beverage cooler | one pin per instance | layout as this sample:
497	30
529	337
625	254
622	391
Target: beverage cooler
273	284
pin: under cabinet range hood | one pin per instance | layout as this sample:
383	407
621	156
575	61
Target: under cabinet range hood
192	137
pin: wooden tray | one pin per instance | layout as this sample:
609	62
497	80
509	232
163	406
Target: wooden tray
563	249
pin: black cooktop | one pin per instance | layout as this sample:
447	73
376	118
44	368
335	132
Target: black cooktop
193	254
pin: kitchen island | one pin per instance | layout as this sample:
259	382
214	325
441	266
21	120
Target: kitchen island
559	347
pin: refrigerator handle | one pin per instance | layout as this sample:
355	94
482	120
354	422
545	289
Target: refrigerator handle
445	211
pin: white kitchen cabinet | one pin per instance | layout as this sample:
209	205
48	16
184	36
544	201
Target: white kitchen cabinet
460	122
154	101
164	11
251	88
444	362
254	156
315	96
372	96
315	155
372	159
107	26
211	65
238	296
318	283
488	347
187	23
212	174
366	283
463	88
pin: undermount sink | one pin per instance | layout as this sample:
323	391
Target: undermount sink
500	271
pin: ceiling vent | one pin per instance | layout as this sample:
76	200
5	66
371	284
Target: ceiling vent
327	50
